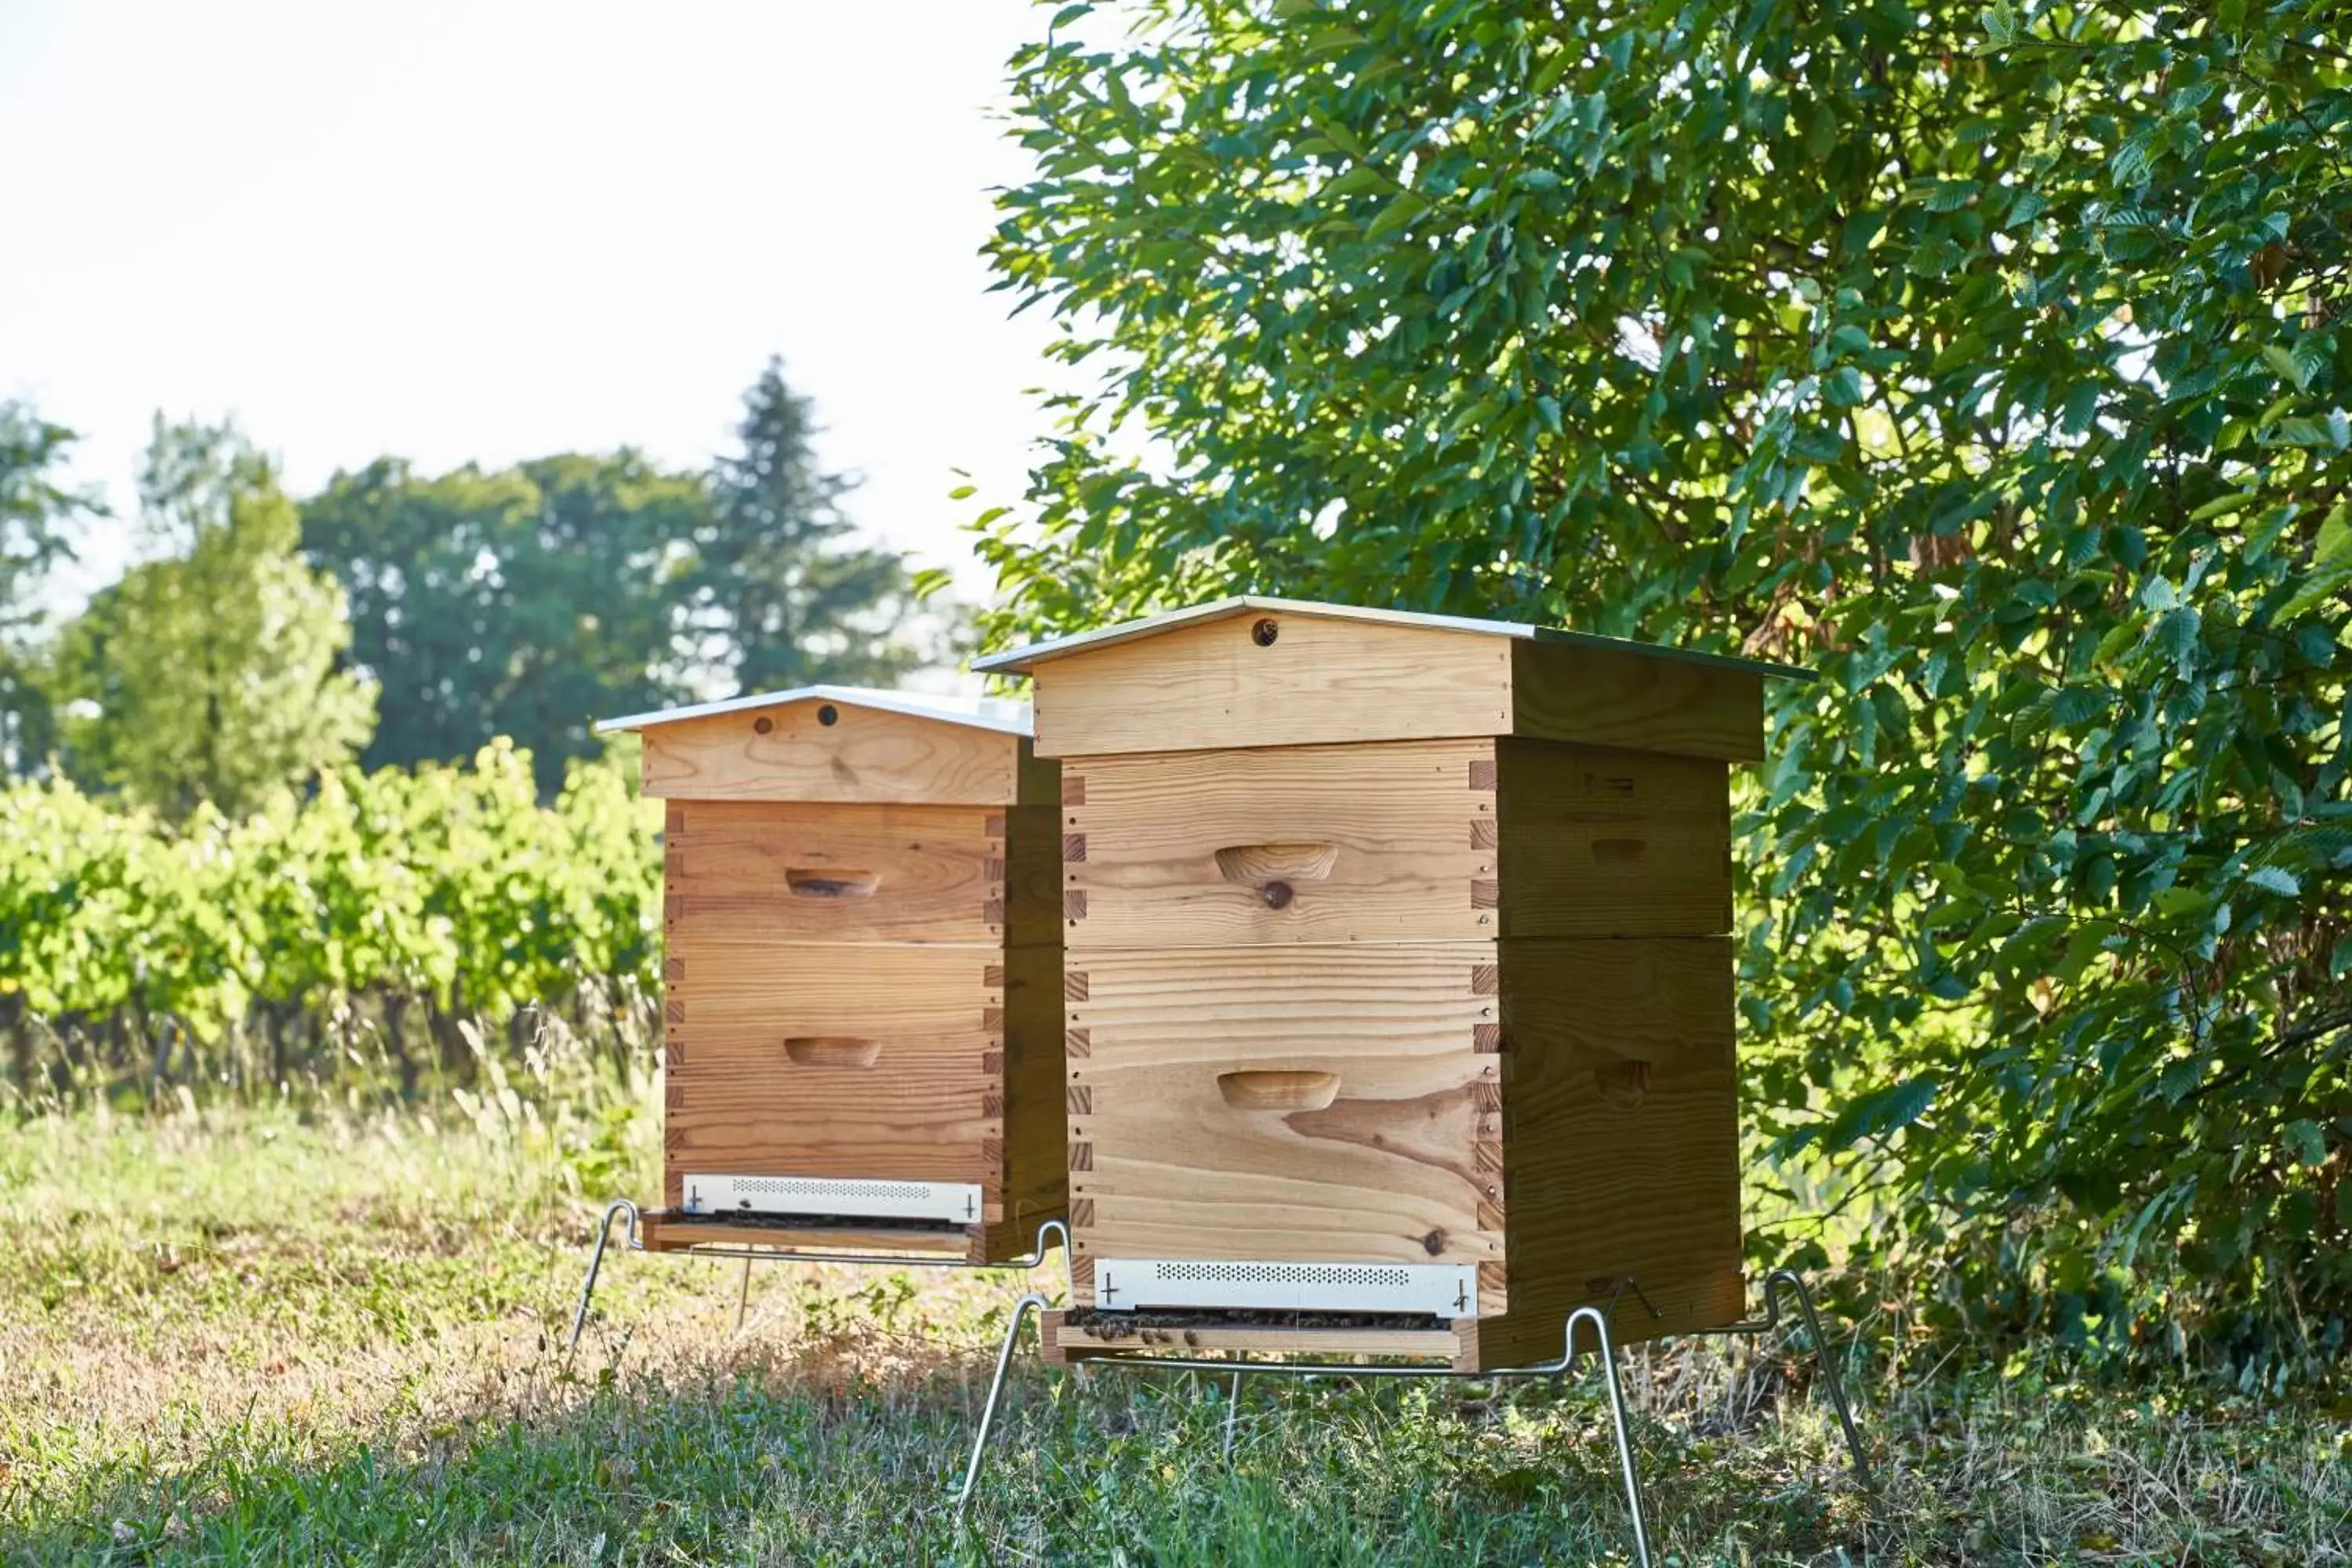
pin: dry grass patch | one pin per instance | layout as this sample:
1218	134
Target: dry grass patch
339	1339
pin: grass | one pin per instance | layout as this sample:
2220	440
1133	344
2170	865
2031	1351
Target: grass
336	1338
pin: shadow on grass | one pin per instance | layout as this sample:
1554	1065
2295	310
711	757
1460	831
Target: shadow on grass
775	1468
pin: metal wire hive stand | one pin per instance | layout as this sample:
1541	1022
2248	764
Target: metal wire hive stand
1778	1282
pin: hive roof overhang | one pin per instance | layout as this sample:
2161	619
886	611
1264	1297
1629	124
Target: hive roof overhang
1004	715
1022	660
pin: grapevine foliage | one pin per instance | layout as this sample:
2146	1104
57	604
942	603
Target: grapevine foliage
450	888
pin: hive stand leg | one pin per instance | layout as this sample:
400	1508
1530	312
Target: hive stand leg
1232	1413
743	1302
596	1263
1032	1302
1625	1464
1832	1383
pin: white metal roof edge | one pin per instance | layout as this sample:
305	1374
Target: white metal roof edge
1018	660
1005	715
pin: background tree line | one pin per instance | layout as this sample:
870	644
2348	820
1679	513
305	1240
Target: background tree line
398	618
1991	361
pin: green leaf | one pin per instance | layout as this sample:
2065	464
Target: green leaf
1882	1114
1407	207
1949	195
2285	363
2274	879
2222	506
1342	137
2305	1141
2174	638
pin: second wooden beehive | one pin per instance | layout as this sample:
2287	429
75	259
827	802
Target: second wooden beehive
862	980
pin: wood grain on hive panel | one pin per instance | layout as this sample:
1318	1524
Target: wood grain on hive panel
1215	685
1283	1104
838	1061
777	871
1033	877
1036	1184
1638	702
1293	844
1598	842
1620	1132
864	754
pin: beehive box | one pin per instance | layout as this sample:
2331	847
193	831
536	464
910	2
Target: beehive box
862	980
1399	998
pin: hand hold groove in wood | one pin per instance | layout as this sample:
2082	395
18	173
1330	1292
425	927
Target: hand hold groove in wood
1251	864
1273	1089
809	882
833	1050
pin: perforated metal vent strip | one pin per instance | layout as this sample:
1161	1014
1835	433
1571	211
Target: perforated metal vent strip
807	1186
1394	1277
1441	1289
949	1202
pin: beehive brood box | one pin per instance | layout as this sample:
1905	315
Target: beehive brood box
1398	1002
862	974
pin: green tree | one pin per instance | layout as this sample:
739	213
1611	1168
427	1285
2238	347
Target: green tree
529	602
36	517
208	674
777	584
525	603
1994	364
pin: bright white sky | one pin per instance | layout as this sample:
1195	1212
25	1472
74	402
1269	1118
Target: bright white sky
469	231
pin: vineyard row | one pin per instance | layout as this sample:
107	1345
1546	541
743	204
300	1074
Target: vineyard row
389	913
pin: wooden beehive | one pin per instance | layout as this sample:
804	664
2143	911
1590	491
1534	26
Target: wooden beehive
1399	997
862	974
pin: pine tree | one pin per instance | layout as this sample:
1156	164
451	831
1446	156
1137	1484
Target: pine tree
37	516
781	597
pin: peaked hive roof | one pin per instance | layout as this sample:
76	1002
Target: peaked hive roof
1004	715
1021	661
